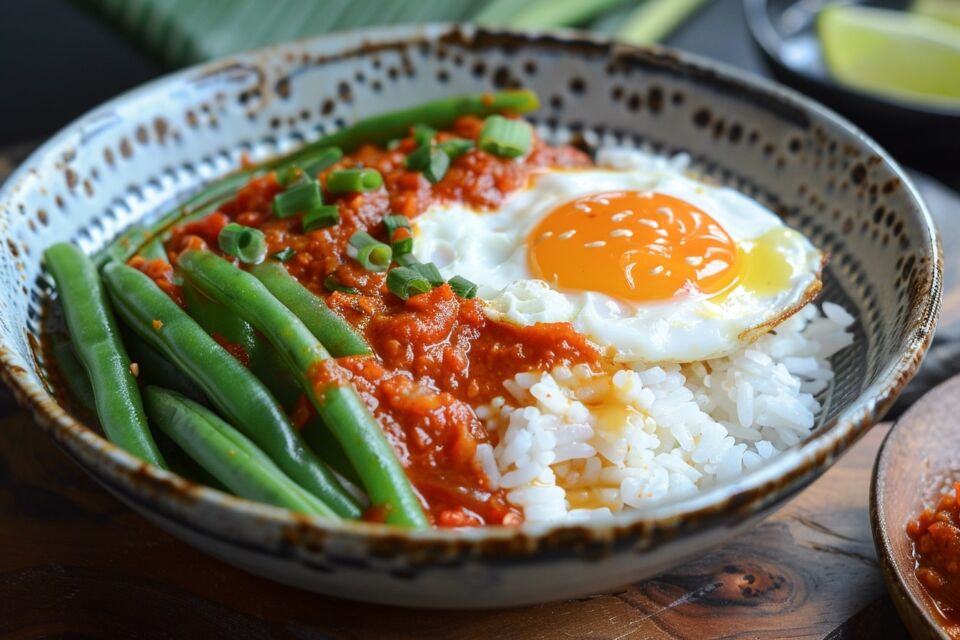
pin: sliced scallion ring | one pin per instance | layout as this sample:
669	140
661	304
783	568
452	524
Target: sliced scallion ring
372	254
354	180
422	134
303	196
429	271
504	137
405	283
394	222
320	218
456	147
463	287
243	243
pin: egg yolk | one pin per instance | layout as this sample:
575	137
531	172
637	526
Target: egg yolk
633	245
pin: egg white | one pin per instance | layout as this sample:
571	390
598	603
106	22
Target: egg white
490	248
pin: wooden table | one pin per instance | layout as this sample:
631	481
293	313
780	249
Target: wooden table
75	561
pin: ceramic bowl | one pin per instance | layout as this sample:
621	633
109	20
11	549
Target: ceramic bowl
139	153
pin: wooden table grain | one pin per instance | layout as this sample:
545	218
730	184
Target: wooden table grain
75	562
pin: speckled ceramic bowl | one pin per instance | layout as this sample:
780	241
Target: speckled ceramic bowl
144	150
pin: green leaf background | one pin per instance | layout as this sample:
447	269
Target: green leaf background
182	32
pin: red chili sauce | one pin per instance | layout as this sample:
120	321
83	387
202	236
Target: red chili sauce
936	546
437	356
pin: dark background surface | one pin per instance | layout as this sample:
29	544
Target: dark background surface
56	61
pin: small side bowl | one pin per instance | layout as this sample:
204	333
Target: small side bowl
917	463
143	151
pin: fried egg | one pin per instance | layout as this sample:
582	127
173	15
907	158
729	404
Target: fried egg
637	255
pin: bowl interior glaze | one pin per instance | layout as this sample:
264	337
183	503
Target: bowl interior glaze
139	154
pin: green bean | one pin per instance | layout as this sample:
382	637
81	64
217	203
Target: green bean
262	359
155	369
439	114
78	384
154	250
335	333
266	365
93	330
227	454
336	402
321	439
71	371
231	388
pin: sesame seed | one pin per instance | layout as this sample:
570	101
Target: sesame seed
580	206
653	224
157	325
566	235
657	270
662	233
694	261
595	244
603	201
545	235
667	211
621	233
135	369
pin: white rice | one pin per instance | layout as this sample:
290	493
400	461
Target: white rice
575	445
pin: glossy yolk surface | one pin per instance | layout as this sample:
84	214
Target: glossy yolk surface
633	245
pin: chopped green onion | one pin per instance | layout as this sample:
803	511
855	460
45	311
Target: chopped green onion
287	176
422	134
429	271
463	287
244	243
456	147
405	282
372	254
332	283
439	163
354	180
392	223
314	164
304	196
406	260
402	247
505	138
320	218
284	254
430	160
311	164
419	158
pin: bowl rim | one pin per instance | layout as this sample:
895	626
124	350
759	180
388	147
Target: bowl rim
166	493
905	598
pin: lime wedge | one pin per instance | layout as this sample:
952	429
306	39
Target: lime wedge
946	10
902	55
